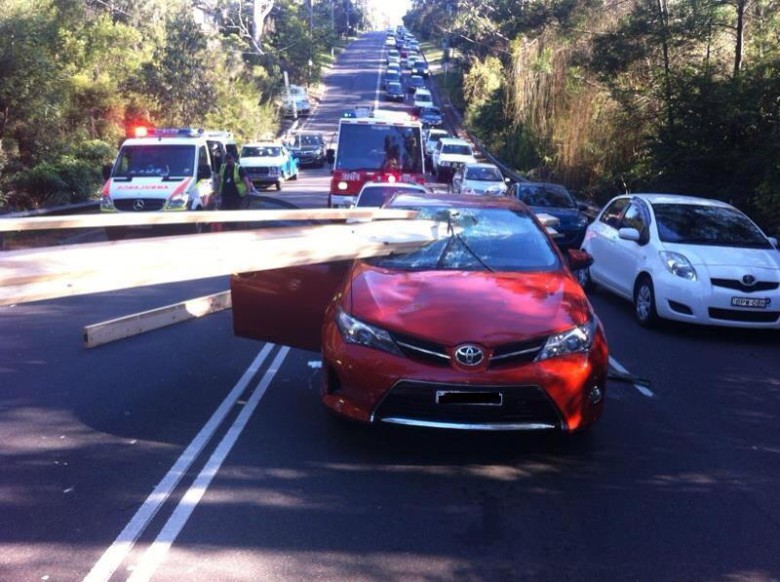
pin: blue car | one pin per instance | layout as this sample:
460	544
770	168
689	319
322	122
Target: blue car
431	117
557	201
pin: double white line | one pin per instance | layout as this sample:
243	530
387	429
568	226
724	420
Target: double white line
113	557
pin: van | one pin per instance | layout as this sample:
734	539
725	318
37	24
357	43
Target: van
169	169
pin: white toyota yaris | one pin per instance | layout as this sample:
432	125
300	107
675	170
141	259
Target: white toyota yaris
687	259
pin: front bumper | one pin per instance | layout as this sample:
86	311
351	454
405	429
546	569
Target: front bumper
707	303
371	386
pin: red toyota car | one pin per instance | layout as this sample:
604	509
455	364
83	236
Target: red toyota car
485	328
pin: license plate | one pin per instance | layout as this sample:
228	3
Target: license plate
471	398
752	302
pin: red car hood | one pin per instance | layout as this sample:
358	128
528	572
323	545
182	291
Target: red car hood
451	307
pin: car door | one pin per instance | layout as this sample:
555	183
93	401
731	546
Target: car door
600	241
285	306
628	256
457	180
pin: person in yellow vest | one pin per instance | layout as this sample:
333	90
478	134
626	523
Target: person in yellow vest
233	184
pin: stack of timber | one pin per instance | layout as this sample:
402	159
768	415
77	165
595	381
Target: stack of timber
47	273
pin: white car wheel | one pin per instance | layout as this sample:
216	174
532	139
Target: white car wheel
644	302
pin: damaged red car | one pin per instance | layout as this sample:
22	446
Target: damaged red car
486	328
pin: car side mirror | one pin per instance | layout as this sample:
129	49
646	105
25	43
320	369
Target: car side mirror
773	241
629	234
579	259
106	171
204	173
330	154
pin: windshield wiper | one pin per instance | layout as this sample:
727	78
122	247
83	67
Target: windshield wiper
454	236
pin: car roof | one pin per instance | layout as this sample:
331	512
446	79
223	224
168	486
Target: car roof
259	144
456	200
437	131
398	185
481	165
454	141
422	92
660	198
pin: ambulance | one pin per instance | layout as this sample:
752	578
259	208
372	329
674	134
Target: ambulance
166	169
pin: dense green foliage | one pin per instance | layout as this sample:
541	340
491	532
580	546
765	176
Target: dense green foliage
75	75
608	96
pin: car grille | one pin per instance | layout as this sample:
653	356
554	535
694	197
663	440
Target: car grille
738	285
744	316
258	171
131	205
416	401
503	355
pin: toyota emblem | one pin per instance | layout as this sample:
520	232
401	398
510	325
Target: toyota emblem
469	355
749	280
138	204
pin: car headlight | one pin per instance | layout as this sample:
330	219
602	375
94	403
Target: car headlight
354	331
107	204
177	201
574	341
678	264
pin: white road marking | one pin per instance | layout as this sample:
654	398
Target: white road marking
642	389
156	553
117	552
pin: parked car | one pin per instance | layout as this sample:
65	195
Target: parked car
420	67
557	201
413	338
392	55
394	91
687	259
448	154
414	82
432	137
391	76
480	179
422	98
268	164
377	193
431	117
308	148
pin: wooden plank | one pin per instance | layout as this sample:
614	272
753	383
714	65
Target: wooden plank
205	216
47	273
104	332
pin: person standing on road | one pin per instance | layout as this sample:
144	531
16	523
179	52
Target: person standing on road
233	184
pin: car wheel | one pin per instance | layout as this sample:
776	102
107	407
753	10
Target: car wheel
644	302
278	185
584	279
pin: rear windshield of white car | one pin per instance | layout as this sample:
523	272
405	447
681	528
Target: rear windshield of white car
707	225
376	195
479	239
261	152
484	174
458	150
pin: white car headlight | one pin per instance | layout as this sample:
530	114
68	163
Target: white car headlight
354	331
574	341
678	264
177	201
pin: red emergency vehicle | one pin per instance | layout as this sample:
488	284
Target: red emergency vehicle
374	146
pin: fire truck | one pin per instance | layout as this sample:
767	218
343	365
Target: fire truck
374	146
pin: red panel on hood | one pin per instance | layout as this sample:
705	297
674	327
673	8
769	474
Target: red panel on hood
451	307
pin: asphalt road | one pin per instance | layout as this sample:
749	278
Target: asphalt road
188	454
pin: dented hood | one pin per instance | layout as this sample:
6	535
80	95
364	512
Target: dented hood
450	307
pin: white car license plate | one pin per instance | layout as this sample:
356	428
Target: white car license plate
752	302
